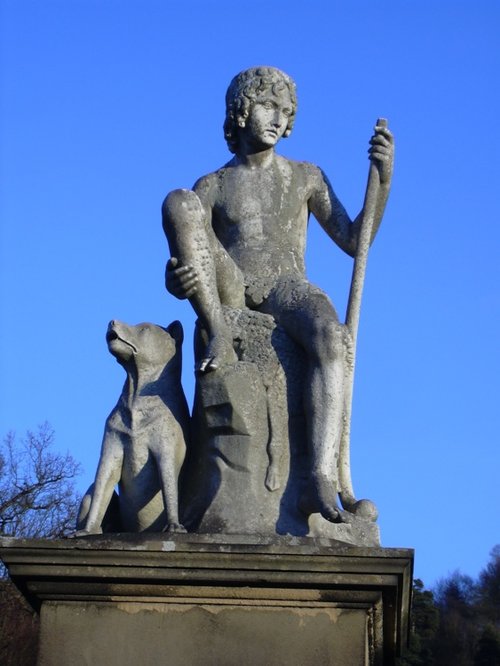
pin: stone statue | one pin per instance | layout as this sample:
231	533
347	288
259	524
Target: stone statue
237	244
266	450
144	438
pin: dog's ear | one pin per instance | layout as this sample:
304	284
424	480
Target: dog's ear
176	331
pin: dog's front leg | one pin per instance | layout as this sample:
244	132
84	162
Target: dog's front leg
107	476
169	467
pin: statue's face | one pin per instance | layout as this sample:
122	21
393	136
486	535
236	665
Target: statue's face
268	119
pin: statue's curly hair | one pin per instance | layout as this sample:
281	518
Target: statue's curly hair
244	90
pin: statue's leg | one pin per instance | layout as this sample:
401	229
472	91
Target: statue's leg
309	318
194	245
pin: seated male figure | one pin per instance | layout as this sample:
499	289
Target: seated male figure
239	237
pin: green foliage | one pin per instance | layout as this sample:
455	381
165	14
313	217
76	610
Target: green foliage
457	624
455	598
424	625
488	647
489	588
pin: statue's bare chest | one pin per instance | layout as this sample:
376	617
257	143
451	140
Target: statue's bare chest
258	203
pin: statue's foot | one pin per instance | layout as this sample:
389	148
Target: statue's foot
332	513
219	352
312	502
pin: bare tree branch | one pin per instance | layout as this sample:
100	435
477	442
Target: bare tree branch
37	493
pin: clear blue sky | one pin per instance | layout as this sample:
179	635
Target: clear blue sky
108	105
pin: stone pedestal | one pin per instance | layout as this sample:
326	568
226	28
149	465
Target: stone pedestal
199	600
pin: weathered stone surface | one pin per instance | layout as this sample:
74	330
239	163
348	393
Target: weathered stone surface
144	444
248	464
229	457
196	599
237	243
268	451
205	634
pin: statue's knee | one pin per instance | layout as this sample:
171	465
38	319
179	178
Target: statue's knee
328	340
182	205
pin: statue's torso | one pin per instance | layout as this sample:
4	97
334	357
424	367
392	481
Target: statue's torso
260	215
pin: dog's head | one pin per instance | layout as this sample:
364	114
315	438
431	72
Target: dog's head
144	345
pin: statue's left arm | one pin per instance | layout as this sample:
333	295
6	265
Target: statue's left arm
330	213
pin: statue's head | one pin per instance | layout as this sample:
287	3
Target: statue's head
244	89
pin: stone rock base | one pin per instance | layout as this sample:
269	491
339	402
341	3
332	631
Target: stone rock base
248	466
198	600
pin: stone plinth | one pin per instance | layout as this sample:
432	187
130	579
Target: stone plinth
199	600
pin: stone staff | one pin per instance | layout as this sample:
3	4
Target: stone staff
346	492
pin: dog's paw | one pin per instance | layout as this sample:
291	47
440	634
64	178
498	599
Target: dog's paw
175	528
79	533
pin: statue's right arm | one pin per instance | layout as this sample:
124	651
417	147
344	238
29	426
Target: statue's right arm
181	280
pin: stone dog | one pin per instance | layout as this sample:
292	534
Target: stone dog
144	441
